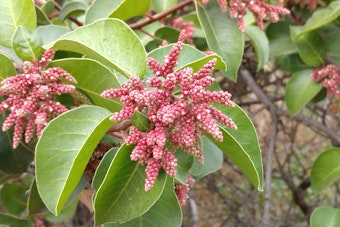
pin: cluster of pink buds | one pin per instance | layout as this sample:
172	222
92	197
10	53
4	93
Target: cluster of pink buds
182	190
177	105
186	28
311	4
30	97
259	8
330	78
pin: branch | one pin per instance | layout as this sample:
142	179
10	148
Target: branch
161	15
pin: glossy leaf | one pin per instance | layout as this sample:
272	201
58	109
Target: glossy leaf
93	78
189	57
140	121
213	159
63	151
14	197
35	203
325	169
109	41
300	90
103	167
334	49
42	18
260	42
50	33
13	221
7	67
241	146
121	9
223	36
27	44
13	160
184	163
167	33
160	6
325	216
311	47
166	212
321	17
72	9
280	41
66	214
121	196
15	13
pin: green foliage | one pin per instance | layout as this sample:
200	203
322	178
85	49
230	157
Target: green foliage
7	67
325	216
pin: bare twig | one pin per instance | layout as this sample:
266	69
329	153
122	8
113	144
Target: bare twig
161	15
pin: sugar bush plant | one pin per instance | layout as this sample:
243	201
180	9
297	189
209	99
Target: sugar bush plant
120	98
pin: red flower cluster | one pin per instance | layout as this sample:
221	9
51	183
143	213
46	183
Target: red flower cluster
259	8
182	190
177	105
30	97
330	78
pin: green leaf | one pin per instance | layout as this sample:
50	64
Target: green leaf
13	221
334	49
300	89
66	214
93	78
184	163
63	151
325	216
311	46
15	13
166	212
35	203
189	57
51	33
321	17
325	169
109	41
13	160
27	44
7	67
14	197
241	145
223	36
213	159
140	121
48	8
167	33
291	63
103	167
121	196
160	6
121	9
42	18
72	9
280	41
260	42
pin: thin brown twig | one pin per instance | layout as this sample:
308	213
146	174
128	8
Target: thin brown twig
161	15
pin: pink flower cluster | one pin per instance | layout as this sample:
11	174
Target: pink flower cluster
330	78
311	4
177	105
182	190
186	28
30	97
259	8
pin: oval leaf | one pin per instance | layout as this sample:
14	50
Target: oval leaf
15	13
241	145
109	41
63	151
27	44
260	42
223	36
311	46
13	221
121	9
160	6
300	90
70	9
7	67
325	169
166	212
86	72
325	216
321	17
50	33
14	197
121	196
